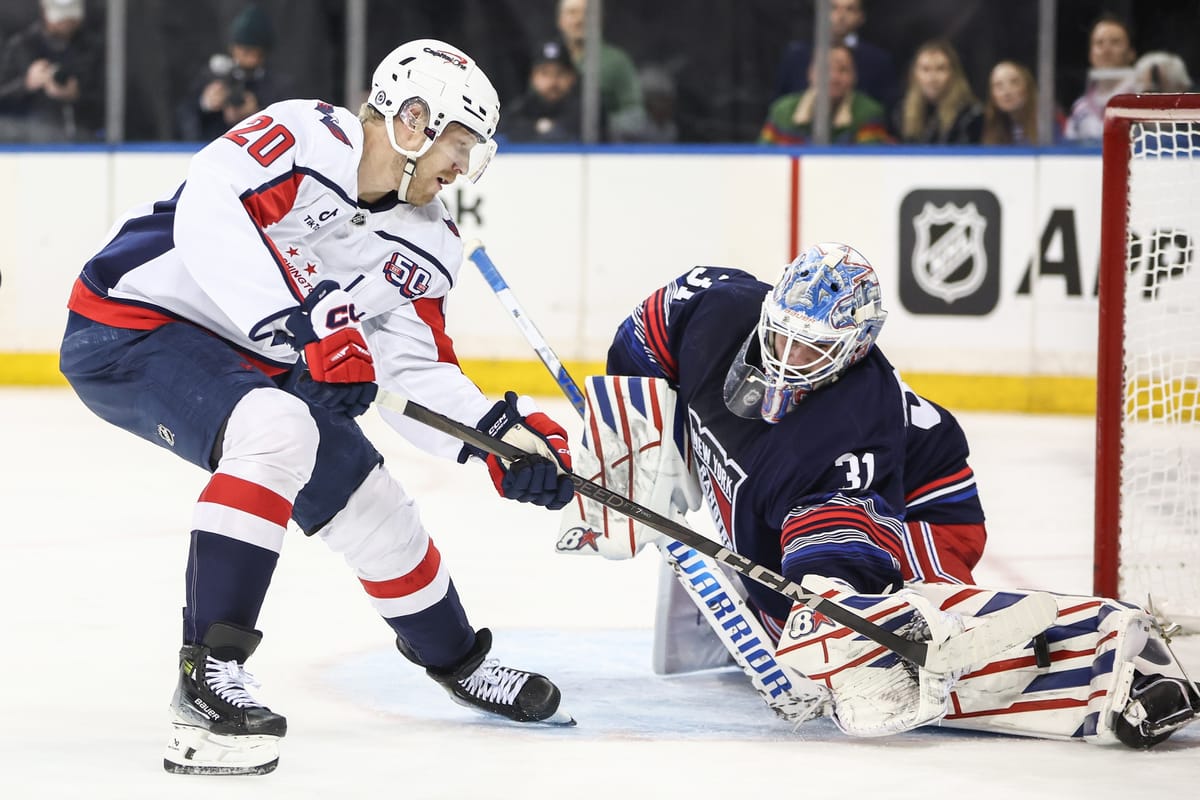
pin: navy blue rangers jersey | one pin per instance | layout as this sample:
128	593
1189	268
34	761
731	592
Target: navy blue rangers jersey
822	491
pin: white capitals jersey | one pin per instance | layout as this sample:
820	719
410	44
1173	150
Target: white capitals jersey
405	260
266	212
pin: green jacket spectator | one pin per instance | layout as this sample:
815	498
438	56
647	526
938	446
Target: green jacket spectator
855	117
858	119
620	90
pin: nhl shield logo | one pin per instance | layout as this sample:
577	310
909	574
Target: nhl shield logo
950	263
950	251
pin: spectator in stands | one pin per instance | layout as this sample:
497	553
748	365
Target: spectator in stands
235	84
1159	71
874	66
938	106
1010	115
659	125
620	92
52	78
855	118
1110	56
549	111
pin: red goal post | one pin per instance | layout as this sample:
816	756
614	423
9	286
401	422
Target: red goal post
1147	537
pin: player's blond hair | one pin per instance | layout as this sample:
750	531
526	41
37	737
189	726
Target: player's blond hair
367	113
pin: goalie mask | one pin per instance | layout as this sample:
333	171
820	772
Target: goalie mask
820	318
427	84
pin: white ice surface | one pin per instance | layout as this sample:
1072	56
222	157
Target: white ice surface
92	556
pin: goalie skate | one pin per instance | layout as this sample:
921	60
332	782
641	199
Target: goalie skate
217	727
486	685
1158	706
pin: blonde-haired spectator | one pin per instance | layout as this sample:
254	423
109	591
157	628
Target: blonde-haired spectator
1010	115
938	106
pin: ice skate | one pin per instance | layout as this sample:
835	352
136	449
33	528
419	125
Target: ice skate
218	728
486	685
1158	706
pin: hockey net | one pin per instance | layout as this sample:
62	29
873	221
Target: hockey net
1148	370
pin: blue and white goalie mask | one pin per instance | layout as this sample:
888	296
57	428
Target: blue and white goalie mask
820	318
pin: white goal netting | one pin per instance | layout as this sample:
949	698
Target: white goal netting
1159	544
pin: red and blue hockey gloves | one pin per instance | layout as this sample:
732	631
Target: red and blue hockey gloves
340	374
536	478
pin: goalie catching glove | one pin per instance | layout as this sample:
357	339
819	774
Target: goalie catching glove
538	478
337	371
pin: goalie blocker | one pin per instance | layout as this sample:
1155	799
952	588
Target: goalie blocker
1101	673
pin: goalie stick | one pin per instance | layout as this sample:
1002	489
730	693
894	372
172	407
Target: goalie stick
476	253
1000	631
773	683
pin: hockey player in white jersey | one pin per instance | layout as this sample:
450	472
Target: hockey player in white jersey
244	321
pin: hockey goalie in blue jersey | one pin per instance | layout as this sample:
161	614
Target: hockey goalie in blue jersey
245	320
816	460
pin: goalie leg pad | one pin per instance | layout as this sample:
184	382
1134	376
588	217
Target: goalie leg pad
635	445
1080	681
875	692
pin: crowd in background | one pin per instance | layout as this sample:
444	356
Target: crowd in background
677	71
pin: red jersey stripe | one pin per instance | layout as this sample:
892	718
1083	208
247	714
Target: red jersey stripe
86	303
433	313
273	203
945	480
655	321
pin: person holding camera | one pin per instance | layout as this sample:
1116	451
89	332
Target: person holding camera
235	84
52	78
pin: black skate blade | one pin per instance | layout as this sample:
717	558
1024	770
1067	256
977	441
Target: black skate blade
196	769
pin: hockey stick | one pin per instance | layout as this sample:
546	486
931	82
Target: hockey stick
772	683
1007	628
476	253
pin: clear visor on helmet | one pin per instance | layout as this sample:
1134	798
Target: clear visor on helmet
796	362
480	156
471	154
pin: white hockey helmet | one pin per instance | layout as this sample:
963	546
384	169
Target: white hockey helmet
428	84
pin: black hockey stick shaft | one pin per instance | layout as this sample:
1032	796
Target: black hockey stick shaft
915	652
